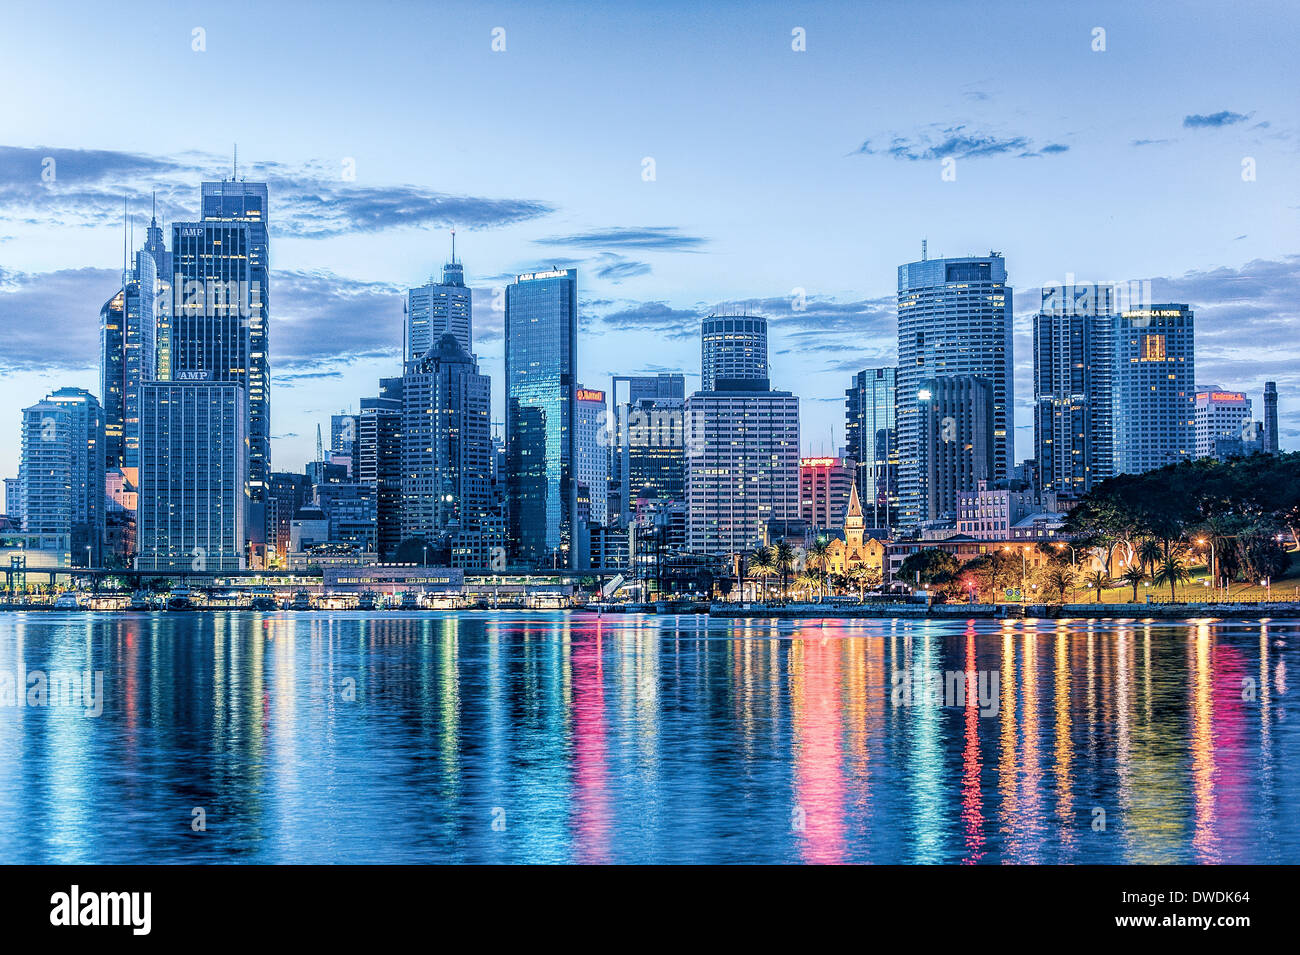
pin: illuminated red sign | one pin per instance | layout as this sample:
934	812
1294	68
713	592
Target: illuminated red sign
588	394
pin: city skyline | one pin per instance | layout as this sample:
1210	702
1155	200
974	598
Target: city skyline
851	186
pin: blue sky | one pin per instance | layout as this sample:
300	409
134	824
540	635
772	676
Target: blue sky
775	170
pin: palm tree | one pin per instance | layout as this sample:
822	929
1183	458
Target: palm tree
819	557
1061	580
1098	579
1150	554
806	580
1133	576
784	558
762	563
1172	571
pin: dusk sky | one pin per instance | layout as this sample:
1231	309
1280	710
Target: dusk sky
774	170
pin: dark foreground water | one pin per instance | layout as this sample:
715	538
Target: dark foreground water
536	737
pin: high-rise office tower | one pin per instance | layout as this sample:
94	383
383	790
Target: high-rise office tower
647	456
1154	390
1073	367
1219	415
957	446
446	443
239	210
591	456
378	461
1270	418
733	348
954	318
162	304
742	447
541	369
742	467
343	434
437	308
61	475
127	336
288	493
194	455
872	441
824	488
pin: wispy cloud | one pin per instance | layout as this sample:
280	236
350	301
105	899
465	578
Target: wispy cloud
1214	120
955	142
319	320
615	268
73	187
648	238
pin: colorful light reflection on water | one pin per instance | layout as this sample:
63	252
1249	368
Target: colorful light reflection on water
553	737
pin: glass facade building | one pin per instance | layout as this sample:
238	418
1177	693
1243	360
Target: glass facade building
1074	333
541	367
954	318
127	337
871	441
1154	387
232	204
647	454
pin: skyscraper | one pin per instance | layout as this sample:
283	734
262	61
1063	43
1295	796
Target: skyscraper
247	202
872	441
1270	418
220	316
437	308
648	450
1073	369
446	443
61	474
127	338
162	306
1218	415
742	444
378	461
193	500
541	367
1154	390
957	446
733	348
591	457
954	318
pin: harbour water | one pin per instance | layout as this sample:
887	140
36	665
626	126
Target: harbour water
357	737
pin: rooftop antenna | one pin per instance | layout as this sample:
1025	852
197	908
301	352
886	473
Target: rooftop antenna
453	246
235	173
125	254
924	254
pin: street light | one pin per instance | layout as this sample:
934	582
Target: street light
1073	558
1214	580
